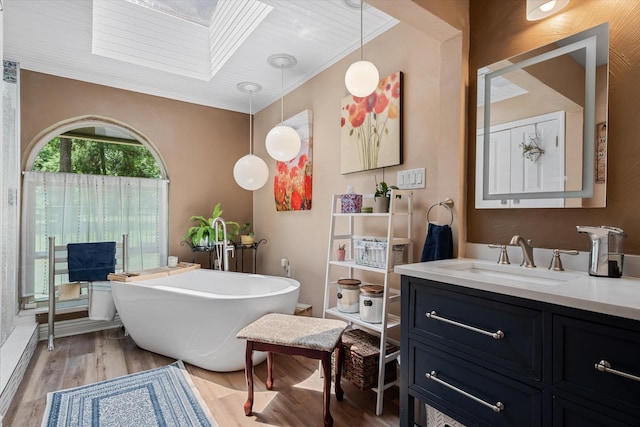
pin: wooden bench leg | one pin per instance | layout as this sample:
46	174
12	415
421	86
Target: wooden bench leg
324	356
248	369
269	370
338	385
326	392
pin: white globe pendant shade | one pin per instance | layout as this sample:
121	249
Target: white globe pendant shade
251	172
361	78
283	143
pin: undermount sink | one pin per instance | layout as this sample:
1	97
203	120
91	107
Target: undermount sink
542	276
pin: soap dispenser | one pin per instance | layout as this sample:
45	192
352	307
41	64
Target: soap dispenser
607	256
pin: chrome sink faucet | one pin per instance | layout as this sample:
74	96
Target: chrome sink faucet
527	250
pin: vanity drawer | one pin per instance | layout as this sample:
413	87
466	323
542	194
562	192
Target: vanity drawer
569	414
520	404
465	324
580	345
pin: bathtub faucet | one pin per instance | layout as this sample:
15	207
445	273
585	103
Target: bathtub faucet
222	251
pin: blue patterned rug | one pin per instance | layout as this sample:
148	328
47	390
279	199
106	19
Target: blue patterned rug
163	397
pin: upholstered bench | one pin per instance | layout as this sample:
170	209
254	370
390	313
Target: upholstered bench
295	335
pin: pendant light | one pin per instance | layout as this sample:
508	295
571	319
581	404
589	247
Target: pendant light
539	9
362	77
250	171
282	142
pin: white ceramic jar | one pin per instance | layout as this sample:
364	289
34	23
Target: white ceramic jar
371	299
348	295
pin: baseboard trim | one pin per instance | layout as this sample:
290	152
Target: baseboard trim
18	370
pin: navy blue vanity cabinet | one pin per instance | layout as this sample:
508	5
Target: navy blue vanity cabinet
550	365
506	402
596	363
567	413
475	358
516	340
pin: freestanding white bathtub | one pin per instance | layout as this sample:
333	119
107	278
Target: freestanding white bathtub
194	316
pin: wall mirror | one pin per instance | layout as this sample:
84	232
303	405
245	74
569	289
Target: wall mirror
542	126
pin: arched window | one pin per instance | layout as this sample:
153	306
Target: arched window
92	179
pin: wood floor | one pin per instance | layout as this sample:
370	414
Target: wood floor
296	398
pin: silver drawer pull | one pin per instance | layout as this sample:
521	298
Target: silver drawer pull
496	335
498	407
604	366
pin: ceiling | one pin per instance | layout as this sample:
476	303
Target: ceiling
168	50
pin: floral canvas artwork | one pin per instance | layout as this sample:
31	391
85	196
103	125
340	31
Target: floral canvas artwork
371	128
293	179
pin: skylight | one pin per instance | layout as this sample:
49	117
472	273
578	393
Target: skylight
501	88
197	11
192	38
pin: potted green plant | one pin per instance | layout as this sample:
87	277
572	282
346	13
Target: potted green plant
341	252
203	233
246	234
382	196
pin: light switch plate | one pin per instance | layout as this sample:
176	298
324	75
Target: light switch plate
412	178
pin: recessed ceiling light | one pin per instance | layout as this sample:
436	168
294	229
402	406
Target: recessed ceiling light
356	4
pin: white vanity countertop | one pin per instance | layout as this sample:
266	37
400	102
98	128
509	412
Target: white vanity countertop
617	297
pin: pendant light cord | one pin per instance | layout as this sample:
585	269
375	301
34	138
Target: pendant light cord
282	95
250	122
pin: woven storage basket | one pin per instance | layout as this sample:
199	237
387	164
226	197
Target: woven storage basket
361	356
372	252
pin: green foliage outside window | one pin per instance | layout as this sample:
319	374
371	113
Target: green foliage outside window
96	158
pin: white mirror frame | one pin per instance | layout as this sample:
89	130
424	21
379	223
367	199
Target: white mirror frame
590	45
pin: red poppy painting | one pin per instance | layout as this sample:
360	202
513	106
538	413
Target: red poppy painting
293	179
371	127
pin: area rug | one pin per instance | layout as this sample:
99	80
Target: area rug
163	396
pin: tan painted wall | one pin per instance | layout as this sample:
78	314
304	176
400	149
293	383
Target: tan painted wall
435	75
453	12
433	138
500	30
199	144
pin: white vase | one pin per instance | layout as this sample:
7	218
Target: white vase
382	204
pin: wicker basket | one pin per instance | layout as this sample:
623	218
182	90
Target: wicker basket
361	358
372	252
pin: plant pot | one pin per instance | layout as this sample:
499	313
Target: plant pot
341	254
382	204
246	239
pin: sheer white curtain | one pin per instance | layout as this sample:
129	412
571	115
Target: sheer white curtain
76	208
9	184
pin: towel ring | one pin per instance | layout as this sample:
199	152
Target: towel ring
447	203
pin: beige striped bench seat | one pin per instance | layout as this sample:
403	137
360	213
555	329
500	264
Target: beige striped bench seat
295	335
